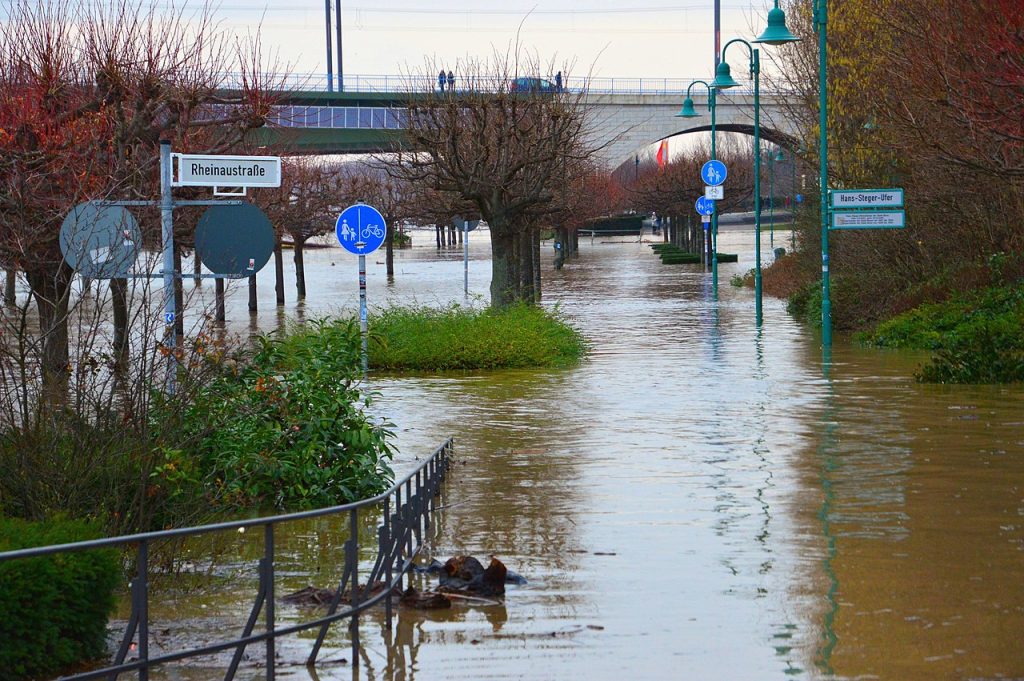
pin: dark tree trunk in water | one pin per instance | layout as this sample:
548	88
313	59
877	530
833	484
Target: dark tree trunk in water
51	291
504	269
197	267
179	301
278	272
253	306
437	235
119	302
524	250
300	269
218	295
9	286
389	254
535	259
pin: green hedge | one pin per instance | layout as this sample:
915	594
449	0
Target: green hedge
54	608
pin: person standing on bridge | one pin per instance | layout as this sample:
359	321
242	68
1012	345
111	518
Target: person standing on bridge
440	80
558	82
451	81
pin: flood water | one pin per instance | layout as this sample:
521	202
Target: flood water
698	499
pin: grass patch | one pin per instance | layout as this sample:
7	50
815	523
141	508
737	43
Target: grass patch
457	337
977	337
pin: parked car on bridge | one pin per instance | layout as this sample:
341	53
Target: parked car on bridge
529	84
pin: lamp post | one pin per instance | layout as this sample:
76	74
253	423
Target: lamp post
777	34
723	79
688	112
777	157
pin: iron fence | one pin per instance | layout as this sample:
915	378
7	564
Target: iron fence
406	517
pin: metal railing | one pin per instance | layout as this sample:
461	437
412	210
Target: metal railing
406	517
419	83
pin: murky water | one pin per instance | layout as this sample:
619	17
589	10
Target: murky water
698	499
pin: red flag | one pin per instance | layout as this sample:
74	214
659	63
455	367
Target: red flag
663	154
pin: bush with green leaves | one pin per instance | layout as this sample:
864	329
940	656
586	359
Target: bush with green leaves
977	337
466	338
55	608
291	429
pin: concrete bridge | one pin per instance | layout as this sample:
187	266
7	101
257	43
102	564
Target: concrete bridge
624	115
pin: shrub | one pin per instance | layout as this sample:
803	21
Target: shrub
290	430
976	337
456	337
55	608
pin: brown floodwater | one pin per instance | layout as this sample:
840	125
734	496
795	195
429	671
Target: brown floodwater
697	499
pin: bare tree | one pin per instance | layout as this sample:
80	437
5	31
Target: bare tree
87	90
501	143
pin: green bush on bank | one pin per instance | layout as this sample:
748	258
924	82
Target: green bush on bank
465	338
977	337
290	430
55	608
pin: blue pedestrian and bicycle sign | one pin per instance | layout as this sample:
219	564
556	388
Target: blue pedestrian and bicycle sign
360	229
705	206
713	173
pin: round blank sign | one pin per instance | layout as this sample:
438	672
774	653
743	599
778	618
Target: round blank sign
234	241
101	242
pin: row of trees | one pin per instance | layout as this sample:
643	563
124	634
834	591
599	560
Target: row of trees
927	95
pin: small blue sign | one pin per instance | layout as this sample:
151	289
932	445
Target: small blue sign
713	173
705	206
168	318
360	229
799	198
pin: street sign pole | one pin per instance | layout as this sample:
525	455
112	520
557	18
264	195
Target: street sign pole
363	331
167	228
360	230
465	255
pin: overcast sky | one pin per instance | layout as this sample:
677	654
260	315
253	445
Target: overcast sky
625	38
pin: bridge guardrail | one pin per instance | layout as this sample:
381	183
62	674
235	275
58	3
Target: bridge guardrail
418	83
407	507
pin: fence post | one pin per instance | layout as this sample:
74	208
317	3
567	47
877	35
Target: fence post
268	605
353	557
142	596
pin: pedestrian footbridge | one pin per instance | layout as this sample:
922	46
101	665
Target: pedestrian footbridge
623	115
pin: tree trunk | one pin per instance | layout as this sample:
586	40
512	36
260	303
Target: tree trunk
278	272
51	290
437	235
504	270
389	254
535	259
119	302
197	268
218	296
9	286
300	268
253	306
524	246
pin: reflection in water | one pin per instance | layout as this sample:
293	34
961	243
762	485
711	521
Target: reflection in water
698	498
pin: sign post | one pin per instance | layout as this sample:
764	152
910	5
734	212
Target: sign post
360	230
713	173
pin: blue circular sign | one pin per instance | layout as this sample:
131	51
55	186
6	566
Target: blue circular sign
705	206
713	173
360	229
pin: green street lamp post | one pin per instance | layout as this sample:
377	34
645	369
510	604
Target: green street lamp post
688	112
723	79
777	157
777	34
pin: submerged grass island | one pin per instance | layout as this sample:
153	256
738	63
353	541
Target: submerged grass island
457	337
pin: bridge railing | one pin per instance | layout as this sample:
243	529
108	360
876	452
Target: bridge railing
419	83
406	511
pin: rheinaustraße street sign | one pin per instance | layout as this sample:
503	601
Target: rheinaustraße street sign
204	170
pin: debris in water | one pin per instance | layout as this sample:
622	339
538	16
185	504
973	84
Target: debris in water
424	600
